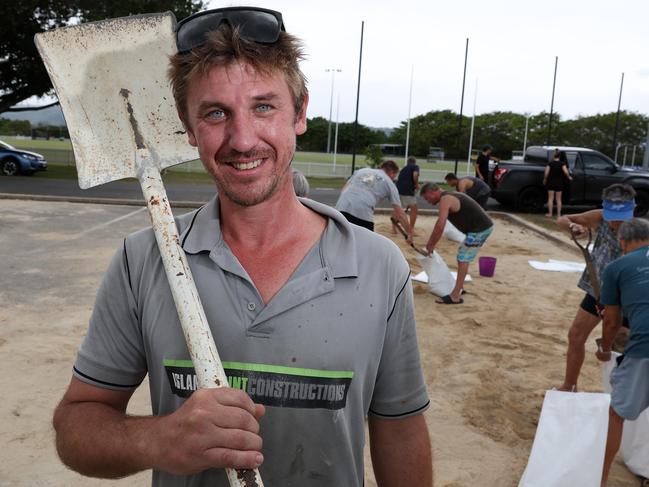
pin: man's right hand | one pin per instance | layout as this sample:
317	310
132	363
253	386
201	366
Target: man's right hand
578	230
214	428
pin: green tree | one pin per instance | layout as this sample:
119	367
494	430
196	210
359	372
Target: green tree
434	129
22	73
315	137
14	127
373	155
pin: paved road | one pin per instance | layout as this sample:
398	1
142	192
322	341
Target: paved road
125	189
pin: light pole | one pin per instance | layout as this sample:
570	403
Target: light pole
405	157
527	124
617	118
333	72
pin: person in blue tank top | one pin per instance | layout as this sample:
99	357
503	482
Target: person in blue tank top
625	291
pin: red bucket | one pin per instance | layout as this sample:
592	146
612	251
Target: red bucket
487	266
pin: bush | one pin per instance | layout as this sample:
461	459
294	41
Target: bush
373	155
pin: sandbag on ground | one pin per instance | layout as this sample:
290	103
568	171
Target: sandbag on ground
570	440
440	279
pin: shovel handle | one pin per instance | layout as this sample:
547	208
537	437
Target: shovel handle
590	267
396	223
200	343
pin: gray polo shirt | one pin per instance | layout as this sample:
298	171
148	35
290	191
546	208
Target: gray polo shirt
337	343
364	190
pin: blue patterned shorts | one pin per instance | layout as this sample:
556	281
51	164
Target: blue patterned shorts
471	245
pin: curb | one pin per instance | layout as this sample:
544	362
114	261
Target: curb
94	201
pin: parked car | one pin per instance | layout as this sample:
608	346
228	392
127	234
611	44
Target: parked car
520	184
17	161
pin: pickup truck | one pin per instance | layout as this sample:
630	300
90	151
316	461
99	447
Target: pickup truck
520	184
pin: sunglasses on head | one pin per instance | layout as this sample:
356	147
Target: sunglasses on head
255	24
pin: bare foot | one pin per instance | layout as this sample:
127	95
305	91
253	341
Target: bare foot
549	216
567	388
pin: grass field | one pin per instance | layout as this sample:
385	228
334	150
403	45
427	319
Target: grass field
307	157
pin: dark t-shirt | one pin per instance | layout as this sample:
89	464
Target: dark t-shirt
483	164
405	182
471	217
556	176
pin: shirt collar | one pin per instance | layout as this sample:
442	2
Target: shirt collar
338	243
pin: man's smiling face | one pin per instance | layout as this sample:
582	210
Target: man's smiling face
244	125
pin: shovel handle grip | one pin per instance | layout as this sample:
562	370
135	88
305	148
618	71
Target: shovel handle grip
200	343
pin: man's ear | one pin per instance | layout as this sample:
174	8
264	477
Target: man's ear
300	119
190	135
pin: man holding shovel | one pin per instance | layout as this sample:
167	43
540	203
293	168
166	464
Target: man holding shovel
625	289
467	215
618	204
313	317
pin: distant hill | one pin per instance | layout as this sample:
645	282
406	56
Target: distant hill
386	130
48	116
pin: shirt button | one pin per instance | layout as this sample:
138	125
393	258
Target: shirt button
251	306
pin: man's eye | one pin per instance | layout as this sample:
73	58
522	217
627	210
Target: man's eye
264	108
216	114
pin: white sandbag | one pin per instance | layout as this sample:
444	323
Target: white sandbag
452	233
440	280
570	440
635	436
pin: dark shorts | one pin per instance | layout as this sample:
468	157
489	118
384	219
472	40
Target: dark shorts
589	305
358	221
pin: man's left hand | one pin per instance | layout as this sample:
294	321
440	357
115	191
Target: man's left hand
603	356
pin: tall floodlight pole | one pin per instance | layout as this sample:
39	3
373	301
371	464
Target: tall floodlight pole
358	95
645	157
554	83
617	118
333	72
475	97
527	125
459	118
336	132
405	157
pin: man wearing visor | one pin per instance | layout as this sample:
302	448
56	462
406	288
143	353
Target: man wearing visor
313	316
618	204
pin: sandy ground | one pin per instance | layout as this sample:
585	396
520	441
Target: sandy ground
487	362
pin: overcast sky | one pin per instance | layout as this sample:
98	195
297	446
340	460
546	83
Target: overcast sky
512	47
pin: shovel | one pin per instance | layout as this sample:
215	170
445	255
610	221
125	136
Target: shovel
397	224
110	78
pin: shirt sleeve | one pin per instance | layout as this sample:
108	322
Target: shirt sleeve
393	192
400	389
609	293
112	353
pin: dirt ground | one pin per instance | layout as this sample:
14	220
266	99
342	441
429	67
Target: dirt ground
487	362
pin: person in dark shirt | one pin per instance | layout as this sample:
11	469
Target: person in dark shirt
482	163
408	184
474	187
554	179
467	215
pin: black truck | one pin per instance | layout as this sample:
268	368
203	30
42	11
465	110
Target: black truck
520	184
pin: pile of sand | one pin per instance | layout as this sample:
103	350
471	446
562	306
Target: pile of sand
487	362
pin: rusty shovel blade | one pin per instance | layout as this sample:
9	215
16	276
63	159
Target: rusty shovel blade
111	81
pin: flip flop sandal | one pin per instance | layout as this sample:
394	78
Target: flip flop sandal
448	300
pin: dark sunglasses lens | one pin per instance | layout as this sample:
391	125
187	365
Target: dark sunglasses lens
256	26
194	32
